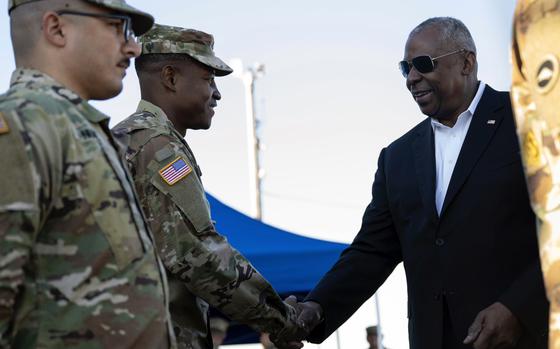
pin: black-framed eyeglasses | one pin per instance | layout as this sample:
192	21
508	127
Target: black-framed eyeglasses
423	64
125	21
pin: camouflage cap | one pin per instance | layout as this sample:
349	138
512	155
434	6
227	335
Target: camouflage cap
164	39
141	21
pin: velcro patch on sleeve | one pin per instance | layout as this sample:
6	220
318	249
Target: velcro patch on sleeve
164	153
4	127
175	171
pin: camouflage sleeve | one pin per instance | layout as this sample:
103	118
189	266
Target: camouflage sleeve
534	93
16	226
19	221
192	249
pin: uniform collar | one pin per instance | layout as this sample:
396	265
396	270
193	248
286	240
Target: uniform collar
36	80
145	106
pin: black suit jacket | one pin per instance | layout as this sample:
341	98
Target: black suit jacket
480	250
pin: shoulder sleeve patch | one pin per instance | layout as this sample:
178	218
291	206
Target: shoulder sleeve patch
4	127
174	171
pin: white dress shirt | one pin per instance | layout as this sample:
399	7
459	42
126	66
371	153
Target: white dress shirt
448	143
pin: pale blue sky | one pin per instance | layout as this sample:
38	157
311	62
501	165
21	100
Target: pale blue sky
331	99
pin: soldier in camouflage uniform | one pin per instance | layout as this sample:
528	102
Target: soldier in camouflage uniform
536	99
176	70
78	268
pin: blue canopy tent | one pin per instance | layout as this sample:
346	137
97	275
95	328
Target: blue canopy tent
293	264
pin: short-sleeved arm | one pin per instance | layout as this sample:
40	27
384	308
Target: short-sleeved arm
177	210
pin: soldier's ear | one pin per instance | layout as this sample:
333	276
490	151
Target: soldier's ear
168	77
53	29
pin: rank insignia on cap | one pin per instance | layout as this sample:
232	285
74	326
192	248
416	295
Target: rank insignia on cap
4	128
175	171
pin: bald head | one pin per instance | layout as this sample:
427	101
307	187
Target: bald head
453	32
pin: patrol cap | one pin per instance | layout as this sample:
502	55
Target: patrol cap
371	331
164	39
141	21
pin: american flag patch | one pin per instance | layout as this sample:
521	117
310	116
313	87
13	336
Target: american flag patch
175	171
4	128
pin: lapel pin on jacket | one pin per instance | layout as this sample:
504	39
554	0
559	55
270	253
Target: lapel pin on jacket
491	122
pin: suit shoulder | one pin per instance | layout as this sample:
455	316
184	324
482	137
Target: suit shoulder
493	96
404	140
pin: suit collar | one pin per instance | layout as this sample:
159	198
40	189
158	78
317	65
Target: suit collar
485	122
424	163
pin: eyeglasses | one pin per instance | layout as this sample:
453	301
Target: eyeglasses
125	24
423	64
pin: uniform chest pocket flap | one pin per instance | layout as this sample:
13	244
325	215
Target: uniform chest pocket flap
188	195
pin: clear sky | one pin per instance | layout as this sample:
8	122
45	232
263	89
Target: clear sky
331	98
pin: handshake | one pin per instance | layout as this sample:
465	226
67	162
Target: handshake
303	317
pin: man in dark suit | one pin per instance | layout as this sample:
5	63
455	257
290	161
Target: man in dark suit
450	201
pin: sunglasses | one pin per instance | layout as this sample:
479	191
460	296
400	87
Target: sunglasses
423	64
125	21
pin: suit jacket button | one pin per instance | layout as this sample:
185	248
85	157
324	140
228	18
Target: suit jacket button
440	242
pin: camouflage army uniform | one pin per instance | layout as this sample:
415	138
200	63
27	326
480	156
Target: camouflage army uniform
536	99
202	266
77	266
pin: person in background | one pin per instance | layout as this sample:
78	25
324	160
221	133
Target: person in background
535	96
371	337
78	268
177	70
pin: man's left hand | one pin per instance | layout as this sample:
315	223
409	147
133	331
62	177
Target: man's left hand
494	327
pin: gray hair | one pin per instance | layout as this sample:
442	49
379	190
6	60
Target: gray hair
452	31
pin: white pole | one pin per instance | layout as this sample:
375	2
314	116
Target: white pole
337	339
252	145
249	76
379	329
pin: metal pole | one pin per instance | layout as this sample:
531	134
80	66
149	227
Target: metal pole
249	78
379	329
337	339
